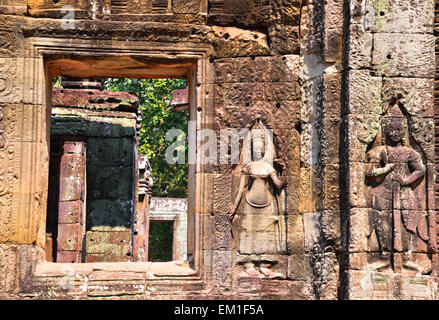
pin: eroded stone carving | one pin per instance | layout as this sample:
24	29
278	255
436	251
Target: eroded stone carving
397	215
145	177
259	218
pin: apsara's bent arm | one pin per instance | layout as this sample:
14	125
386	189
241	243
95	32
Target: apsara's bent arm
242	184
375	170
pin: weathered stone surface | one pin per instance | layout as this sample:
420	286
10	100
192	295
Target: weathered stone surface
389	287
235	42
11	43
13	7
326	271
310	144
11	81
358	196
362	131
72	170
116	244
330	141
99	218
295	235
330	229
333	46
311	28
395	16
183	6
359	230
414	53
310	190
70	212
312	100
64	124
68	237
240	12
284	39
111	183
8	268
93	99
43	8
416	94
299	267
312	227
365	97
360	47
222	263
222	234
331	191
76	147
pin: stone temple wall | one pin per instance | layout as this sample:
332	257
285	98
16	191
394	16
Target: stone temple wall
345	211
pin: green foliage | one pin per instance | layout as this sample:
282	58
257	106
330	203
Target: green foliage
56	82
160	241
158	117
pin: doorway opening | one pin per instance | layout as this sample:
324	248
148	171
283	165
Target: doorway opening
108	162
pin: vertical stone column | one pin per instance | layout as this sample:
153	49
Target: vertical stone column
71	226
388	56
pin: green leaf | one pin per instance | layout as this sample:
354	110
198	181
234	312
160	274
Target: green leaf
158	117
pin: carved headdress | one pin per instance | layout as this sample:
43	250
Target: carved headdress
258	134
394	117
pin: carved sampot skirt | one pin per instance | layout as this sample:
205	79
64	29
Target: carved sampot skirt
259	230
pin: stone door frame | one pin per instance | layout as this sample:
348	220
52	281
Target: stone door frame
48	57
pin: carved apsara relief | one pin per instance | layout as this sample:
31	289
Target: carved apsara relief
258	209
398	215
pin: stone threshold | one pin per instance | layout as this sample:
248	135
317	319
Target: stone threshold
116	270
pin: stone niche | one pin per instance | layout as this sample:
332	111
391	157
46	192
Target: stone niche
286	213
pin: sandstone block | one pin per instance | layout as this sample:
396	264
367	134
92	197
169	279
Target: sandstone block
75	147
362	130
222	233
235	42
359	230
360	47
333	46
331	189
295	242
330	141
284	39
8	268
72	169
223	197
312	226
357	182
311	28
397	55
310	144
69	237
312	100
13	7
310	190
184	6
365	93
330	228
299	267
416	94
70	212
11	80
395	16
68	257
